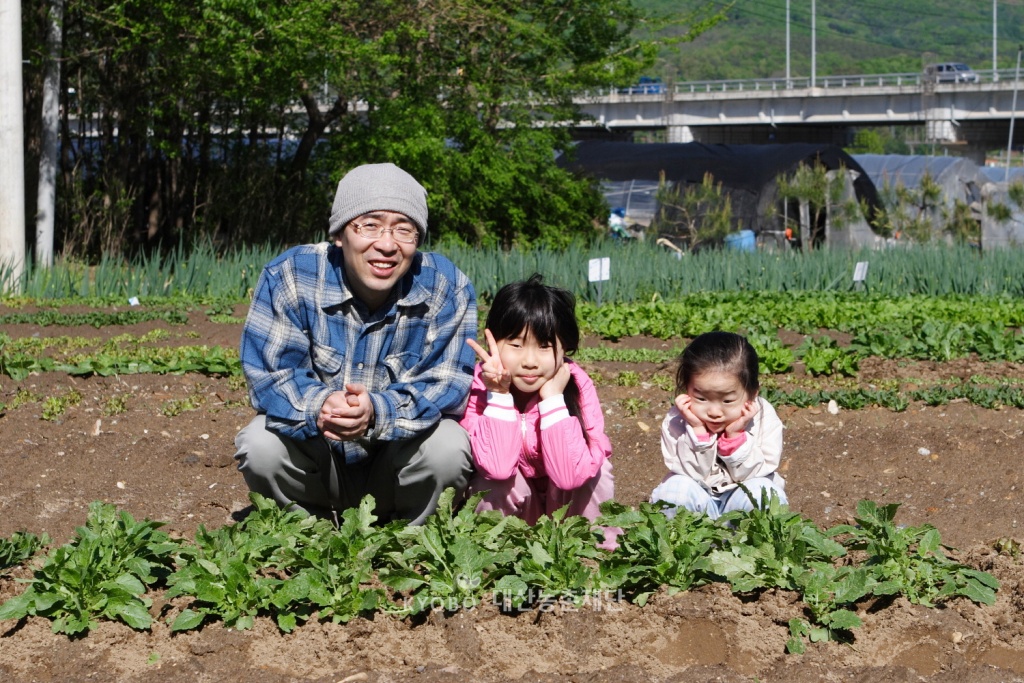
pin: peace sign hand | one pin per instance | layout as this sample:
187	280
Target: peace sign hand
496	378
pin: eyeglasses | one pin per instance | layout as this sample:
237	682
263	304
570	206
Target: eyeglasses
374	231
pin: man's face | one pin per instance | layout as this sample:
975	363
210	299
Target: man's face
374	265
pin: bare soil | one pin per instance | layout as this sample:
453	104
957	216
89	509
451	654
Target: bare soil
956	467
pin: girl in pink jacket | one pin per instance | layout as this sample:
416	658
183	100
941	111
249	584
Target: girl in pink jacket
533	418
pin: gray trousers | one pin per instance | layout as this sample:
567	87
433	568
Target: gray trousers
405	478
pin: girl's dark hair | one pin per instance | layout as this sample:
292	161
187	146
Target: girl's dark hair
719	351
549	313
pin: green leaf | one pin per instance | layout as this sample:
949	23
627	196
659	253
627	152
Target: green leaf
401	579
134	614
539	555
17	607
731	565
983	577
979	593
188	620
286	622
844	619
930	542
818	635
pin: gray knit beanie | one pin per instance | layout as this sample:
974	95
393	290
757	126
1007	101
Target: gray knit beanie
378	187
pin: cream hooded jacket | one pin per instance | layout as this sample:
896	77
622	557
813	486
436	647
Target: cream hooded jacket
757	456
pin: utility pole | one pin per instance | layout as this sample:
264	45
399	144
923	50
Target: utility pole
995	20
1013	114
789	83
12	156
814	41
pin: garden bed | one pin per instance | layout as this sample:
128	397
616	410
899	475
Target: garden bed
166	455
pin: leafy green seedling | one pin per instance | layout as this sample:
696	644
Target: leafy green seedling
102	573
633	406
556	561
828	592
655	550
20	547
453	558
770	545
55	406
911	560
234	572
628	378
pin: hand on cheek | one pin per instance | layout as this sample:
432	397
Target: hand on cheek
750	409
557	384
685	405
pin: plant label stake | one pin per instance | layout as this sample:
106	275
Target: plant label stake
860	274
600	269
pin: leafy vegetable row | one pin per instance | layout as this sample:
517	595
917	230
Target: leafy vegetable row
95	319
293	568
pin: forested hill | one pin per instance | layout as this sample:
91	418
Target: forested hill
853	37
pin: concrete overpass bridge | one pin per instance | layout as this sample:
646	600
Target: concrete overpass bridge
975	116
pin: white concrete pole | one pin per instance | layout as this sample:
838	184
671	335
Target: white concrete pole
1013	115
12	155
814	47
995	44
789	83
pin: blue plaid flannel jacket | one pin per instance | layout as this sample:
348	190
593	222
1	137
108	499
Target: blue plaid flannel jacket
307	336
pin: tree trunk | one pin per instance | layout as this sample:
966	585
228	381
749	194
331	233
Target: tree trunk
47	195
806	237
318	122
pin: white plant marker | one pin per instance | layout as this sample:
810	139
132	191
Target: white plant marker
599	271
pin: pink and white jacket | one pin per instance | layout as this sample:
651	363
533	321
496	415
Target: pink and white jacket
545	440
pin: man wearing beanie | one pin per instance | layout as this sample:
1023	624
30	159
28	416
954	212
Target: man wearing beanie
356	359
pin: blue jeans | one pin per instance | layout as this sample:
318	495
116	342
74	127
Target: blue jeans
682	491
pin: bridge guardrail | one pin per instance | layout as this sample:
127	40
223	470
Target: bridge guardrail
804	82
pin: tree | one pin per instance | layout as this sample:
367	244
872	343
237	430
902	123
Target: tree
230	120
910	213
47	195
819	193
702	214
479	103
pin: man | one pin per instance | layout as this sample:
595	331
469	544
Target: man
356	358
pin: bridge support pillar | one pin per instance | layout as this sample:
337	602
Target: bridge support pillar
680	134
941	131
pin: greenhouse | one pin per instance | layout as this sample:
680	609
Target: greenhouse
630	174
936	189
1003	228
946	190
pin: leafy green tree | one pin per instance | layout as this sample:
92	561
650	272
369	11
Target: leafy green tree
910	213
819	193
228	120
867	141
961	223
700	213
878	141
479	103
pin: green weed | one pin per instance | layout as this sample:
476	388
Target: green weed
55	406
